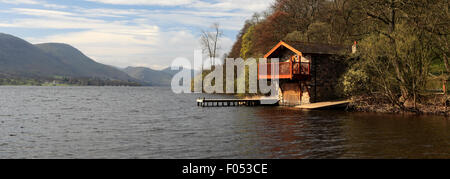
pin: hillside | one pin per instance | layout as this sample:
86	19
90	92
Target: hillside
20	59
154	77
149	76
174	72
80	64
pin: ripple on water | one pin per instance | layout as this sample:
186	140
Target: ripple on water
108	122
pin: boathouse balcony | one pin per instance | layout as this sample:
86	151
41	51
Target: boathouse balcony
287	70
293	65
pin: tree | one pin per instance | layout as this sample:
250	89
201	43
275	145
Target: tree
380	59
432	18
237	46
270	31
210	41
247	43
301	13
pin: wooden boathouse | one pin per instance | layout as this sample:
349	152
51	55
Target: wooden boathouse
308	72
308	76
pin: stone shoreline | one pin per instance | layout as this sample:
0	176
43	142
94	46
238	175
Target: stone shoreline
435	107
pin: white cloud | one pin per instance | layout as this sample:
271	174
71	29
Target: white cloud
145	2
20	1
41	12
90	18
226	5
218	5
34	2
54	6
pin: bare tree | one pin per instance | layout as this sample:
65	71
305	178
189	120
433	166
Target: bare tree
210	41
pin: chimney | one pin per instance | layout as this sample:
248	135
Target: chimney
354	47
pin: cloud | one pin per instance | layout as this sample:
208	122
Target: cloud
54	6
34	2
92	18
41	12
19	1
145	2
227	5
221	5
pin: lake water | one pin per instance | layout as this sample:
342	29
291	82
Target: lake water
147	122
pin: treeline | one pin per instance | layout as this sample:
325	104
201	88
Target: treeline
402	44
63	81
96	82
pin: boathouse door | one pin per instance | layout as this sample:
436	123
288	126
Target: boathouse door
291	93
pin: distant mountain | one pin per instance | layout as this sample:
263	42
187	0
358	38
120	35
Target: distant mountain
149	76
174	72
21	59
153	77
170	71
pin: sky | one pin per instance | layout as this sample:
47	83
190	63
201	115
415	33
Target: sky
146	33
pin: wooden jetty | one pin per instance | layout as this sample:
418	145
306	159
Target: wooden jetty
235	102
324	105
202	102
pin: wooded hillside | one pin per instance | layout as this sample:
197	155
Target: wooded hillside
402	44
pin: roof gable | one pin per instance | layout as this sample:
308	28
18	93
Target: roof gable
301	48
281	43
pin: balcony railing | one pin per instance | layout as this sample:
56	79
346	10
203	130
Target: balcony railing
287	70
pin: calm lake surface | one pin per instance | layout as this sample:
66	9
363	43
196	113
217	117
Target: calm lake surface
141	122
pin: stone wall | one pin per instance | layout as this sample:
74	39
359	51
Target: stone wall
326	70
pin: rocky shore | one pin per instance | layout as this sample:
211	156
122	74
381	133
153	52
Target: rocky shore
430	105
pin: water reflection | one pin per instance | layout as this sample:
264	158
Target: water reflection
292	133
296	134
396	136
